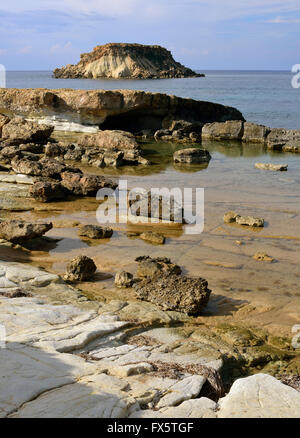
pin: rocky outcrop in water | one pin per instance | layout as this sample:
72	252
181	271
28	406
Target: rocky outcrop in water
127	110
20	231
126	61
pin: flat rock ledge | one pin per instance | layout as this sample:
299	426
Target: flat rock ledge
65	361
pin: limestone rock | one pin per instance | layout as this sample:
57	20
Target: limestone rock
3	121
191	156
81	268
292	146
278	138
47	191
274	167
124	279
229	130
85	185
232	217
95	232
260	396
151	267
263	257
20	131
128	110
118	140
173	292
152	237
254	133
126	61
20	231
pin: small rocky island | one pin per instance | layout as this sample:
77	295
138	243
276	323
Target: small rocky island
126	61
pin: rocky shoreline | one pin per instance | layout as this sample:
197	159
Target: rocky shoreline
151	346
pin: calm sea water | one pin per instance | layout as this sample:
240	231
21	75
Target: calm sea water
263	96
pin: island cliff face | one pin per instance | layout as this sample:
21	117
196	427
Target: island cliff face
128	61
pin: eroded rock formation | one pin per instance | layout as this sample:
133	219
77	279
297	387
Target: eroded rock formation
130	61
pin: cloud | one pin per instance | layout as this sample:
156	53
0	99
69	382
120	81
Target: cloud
61	49
282	20
25	50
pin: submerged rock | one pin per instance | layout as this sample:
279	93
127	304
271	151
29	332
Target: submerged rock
81	268
274	167
152	237
95	232
124	279
232	217
152	267
20	231
263	257
123	60
192	156
173	292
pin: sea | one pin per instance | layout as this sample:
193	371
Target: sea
265	97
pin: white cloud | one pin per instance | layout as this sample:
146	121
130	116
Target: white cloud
283	20
61	48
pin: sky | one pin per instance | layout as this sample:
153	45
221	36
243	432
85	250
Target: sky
202	34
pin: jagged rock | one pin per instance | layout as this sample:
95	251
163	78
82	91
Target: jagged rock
95	232
150	236
46	167
47	191
3	121
254	133
152	267
157	207
293	146
173	292
250	221
110	110
278	138
263	257
124	279
81	268
53	150
260	396
191	156
20	131
20	231
232	217
229	130
85	185
274	167
123	60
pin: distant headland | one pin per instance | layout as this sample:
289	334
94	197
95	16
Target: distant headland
126	61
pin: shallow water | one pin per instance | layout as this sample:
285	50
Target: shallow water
258	293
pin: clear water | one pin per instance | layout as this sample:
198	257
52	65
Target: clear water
263	96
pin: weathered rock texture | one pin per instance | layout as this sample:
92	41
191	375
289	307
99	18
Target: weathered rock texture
135	61
20	231
127	110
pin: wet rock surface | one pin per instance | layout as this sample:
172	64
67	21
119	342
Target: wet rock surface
152	237
191	156
95	232
232	217
124	279
273	167
151	267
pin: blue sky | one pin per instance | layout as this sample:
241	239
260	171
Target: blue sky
202	34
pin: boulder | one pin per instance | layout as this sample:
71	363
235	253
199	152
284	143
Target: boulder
85	185
254	133
16	231
123	279
192	156
263	257
176	293
47	191
20	131
292	146
115	140
229	130
81	268
273	167
95	232
3	121
154	267
150	236
232	217
46	167
278	138
260	396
